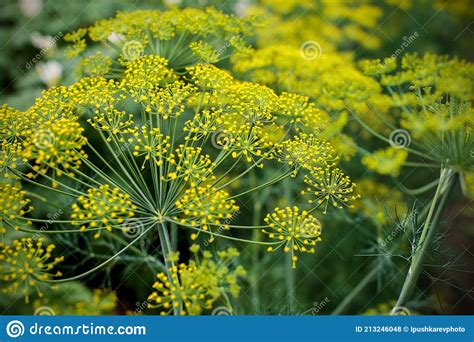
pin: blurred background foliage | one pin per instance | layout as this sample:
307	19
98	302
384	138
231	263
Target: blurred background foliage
350	255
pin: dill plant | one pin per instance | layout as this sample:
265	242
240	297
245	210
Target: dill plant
151	137
431	103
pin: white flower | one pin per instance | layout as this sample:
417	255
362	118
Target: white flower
49	72
115	38
30	8
241	7
172	2
42	42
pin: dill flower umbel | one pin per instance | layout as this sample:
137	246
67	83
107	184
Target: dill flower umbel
297	231
154	144
102	208
205	208
330	187
386	161
14	203
436	112
183	37
25	265
194	287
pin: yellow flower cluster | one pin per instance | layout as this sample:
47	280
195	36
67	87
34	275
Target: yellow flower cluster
150	144
102	208
387	161
206	208
183	36
76	300
330	187
332	81
436	109
95	65
56	145
332	23
25	265
13	204
306	151
190	165
298	231
145	75
192	288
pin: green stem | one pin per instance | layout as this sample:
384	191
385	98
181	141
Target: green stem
429	232
290	272
166	250
362	284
